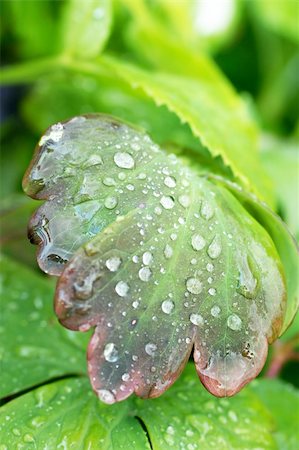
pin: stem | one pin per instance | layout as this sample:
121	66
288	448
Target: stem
283	353
28	71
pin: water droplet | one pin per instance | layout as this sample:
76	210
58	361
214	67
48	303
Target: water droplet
170	430
147	258
150	349
215	311
234	322
168	252
194	285
214	248
56	133
110	202
247	282
207	211
210	267
122	288
125	377
113	263
212	291
145	273
198	242
196	319
167	306
170	182
108	181
28	438
167	202
184	200
124	160
110	352
106	396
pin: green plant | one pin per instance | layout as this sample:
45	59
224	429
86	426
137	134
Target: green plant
171	239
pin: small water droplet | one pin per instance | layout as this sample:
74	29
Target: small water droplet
150	349
110	202
108	181
122	288
234	322
184	200
167	202
196	319
214	248
106	396
198	242
247	282
145	273
111	352
206	211
215	311
124	160
212	291
194	285
125	377
167	306
168	252
113	263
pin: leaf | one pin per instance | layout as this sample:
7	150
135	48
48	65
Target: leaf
86	27
155	257
282	400
215	114
34	348
284	242
186	417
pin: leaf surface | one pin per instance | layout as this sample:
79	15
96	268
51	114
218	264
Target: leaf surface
155	257
34	348
186	416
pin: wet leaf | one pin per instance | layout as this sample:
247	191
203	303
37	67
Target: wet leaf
86	27
185	417
282	401
155	257
34	348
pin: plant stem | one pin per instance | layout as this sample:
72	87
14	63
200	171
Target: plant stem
283	353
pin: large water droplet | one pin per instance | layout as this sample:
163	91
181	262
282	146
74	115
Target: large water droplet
234	322
215	248
198	242
196	319
194	285
169	182
106	396
122	288
167	202
145	273
113	263
207	210
110	202
247	282
111	352
150	349
167	306
124	160
147	258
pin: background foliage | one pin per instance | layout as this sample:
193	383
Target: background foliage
225	99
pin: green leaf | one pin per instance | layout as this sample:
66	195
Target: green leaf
215	114
284	242
155	257
34	348
282	401
186	417
280	16
86	27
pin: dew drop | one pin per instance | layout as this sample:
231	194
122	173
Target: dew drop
145	273
113	263
214	248
184	200
122	288
167	202
247	282
125	377
215	311
167	306
150	349
198	242
212	291
210	267
106	396
168	252
196	319
110	202
147	258
194	285
170	182
206	211
108	181
111	352
124	160
234	322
